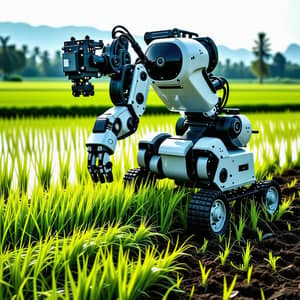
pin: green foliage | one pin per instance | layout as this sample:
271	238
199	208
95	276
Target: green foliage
272	260
254	214
240	227
204	274
223	255
249	274
246	257
11	59
259	234
228	291
261	51
203	248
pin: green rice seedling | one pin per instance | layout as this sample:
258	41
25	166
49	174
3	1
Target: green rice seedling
246	257
203	248
44	168
6	176
262	294
285	207
224	255
228	291
254	214
249	274
174	288
192	292
23	172
64	169
221	238
259	234
240	227
289	226
292	184
204	274
272	260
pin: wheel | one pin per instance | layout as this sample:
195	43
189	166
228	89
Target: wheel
139	177
208	213
270	195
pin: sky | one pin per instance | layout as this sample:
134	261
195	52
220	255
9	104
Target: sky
234	23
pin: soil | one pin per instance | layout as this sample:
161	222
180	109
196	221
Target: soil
282	284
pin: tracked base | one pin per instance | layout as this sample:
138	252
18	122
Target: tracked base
208	211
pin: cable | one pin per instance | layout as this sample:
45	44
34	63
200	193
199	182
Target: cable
124	32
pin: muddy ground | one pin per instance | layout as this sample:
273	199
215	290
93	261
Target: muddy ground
282	284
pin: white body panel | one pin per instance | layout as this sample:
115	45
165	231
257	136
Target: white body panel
173	157
188	92
238	163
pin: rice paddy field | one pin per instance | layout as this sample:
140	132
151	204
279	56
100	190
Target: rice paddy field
47	93
64	237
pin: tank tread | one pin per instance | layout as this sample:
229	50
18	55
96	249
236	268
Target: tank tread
199	212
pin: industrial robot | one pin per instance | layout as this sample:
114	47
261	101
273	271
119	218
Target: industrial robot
208	151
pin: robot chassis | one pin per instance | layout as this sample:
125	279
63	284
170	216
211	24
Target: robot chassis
208	151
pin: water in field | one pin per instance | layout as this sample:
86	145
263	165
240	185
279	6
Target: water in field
54	149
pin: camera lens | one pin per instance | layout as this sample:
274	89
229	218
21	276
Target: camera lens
160	61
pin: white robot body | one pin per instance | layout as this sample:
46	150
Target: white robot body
175	159
206	151
188	90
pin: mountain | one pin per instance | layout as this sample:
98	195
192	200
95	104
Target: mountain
52	38
292	53
235	55
45	37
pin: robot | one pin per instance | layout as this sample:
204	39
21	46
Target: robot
208	152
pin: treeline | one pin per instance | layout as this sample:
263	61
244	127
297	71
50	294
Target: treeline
279	67
36	63
27	62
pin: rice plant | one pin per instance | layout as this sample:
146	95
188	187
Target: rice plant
204	274
272	260
239	229
254	214
227	291
246	257
249	274
223	255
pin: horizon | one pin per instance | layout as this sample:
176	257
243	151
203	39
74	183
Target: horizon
224	24
139	35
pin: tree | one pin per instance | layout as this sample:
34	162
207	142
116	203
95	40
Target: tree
11	59
56	66
279	65
261	51
45	63
32	68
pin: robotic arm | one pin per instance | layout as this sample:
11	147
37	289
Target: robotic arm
115	124
129	86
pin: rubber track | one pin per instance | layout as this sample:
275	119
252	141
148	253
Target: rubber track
198	211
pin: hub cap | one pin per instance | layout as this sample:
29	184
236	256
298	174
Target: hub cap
217	215
272	200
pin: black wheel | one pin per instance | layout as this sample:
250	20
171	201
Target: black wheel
139	177
208	213
270	194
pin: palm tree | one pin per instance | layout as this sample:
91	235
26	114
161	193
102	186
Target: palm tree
11	59
5	57
261	51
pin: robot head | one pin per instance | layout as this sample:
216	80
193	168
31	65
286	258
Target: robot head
178	63
164	58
